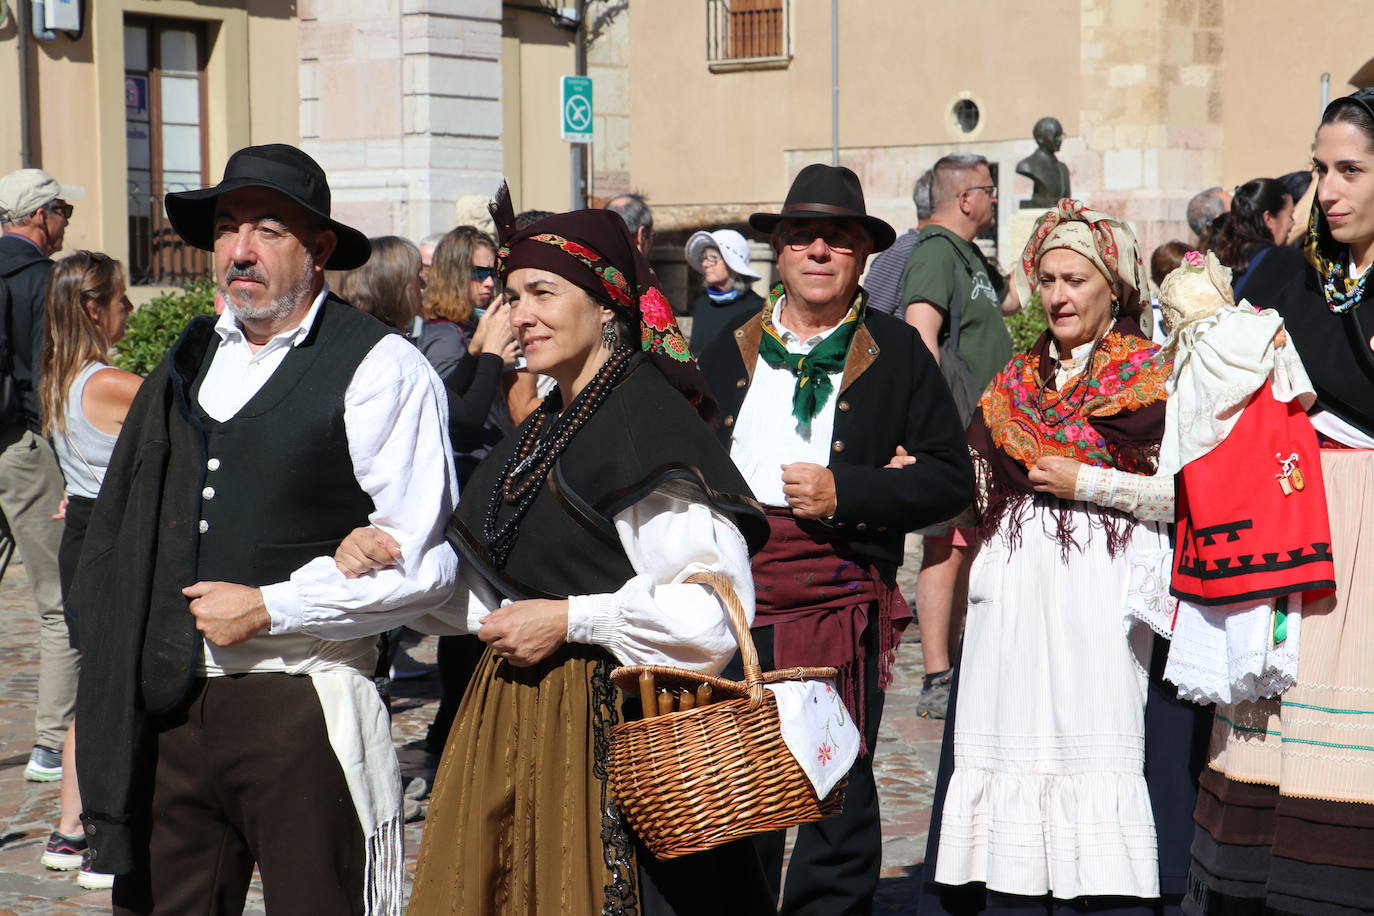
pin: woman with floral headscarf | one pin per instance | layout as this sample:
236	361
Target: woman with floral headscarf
1043	775
1285	811
576	534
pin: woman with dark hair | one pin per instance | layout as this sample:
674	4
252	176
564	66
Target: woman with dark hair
1285	808
1256	232
82	403
1166	258
576	536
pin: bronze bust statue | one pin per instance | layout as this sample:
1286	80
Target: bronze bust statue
1049	176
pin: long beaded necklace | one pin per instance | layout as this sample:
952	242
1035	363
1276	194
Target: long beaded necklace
1339	299
1048	413
528	466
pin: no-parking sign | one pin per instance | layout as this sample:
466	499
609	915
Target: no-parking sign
576	109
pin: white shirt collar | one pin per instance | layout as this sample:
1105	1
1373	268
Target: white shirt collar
790	337
1350	267
229	329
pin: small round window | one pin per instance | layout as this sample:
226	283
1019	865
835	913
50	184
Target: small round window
965	113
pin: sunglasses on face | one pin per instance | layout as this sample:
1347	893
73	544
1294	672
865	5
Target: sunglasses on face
990	188
483	274
800	238
63	210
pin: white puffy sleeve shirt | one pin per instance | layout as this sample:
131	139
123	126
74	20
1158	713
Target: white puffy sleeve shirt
655	618
396	421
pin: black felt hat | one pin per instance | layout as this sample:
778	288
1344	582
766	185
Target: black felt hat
827	192
281	168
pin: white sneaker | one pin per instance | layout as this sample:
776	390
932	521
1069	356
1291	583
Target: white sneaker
91	879
45	765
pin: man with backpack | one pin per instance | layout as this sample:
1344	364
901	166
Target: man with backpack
34	211
956	301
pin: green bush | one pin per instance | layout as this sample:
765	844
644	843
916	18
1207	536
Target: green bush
1027	325
153	329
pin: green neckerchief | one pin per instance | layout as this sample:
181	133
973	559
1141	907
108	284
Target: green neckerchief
811	370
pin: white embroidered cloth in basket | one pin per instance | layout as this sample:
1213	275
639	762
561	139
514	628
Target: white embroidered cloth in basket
818	730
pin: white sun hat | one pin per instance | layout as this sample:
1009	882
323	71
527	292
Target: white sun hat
733	247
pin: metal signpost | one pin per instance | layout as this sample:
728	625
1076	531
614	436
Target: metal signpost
575	115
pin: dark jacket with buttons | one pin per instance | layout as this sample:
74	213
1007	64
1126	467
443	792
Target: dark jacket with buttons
891	394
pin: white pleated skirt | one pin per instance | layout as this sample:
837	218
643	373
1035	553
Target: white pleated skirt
1048	793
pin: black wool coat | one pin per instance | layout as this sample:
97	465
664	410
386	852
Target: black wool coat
892	394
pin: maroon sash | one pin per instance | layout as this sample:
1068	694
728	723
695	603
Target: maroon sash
819	603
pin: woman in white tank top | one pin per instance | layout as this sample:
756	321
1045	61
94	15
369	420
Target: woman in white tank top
83	401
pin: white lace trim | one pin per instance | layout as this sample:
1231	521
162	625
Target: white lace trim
1226	653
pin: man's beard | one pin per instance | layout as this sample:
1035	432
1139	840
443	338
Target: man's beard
278	308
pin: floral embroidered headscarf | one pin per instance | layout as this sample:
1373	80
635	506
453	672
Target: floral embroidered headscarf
594	250
1105	240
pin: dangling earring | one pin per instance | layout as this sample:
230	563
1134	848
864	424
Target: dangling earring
608	339
1116	309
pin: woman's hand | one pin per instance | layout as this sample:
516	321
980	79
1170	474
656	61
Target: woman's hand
1055	475
364	550
493	333
526	632
509	355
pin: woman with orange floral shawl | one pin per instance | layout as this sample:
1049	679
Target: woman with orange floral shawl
1043	782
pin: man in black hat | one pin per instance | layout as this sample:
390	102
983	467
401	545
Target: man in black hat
228	717
841	423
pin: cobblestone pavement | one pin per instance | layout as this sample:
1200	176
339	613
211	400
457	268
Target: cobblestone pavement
907	753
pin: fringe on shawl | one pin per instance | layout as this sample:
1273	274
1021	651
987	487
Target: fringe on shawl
384	878
1003	509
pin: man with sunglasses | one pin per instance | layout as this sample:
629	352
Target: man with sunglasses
946	275
840	422
34	212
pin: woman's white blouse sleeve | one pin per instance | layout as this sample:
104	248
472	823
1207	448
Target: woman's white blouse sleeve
1148	498
655	618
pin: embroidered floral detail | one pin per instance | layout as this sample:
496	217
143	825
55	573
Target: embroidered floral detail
1125	376
1195	259
825	753
658	314
614	282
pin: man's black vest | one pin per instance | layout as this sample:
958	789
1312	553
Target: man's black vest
279	485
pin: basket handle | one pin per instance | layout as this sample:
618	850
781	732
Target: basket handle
753	673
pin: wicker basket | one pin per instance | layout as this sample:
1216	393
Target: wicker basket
691	780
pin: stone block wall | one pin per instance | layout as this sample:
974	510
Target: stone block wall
401	104
608	64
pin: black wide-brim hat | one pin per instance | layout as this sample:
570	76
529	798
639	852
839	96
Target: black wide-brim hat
281	168
827	192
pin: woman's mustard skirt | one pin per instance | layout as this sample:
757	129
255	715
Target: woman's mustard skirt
521	820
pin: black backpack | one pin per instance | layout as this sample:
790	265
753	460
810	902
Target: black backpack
11	409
